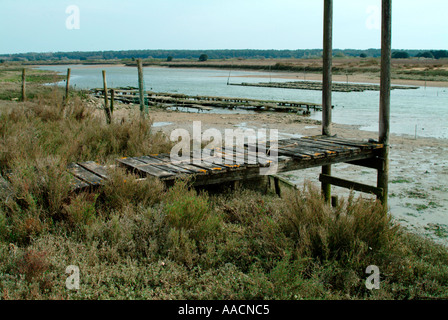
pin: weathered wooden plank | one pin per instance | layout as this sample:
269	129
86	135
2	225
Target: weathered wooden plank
163	165
96	168
144	169
295	146
241	159
281	150
332	146
77	184
353	143
298	164
295	154
84	175
351	185
303	151
182	164
329	152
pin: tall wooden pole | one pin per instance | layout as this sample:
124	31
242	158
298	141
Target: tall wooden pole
67	84
384	118
326	85
141	87
106	99
24	84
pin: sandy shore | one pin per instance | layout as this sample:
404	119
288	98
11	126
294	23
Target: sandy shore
418	168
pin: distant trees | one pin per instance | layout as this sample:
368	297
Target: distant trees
440	54
400	55
426	54
205	55
433	54
363	55
169	58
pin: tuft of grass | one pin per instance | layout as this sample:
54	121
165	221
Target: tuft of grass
346	233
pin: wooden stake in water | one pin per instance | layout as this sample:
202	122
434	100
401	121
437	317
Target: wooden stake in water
106	100
67	84
24	84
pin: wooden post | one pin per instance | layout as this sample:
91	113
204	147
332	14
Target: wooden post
384	118
67	84
24	84
141	87
326	86
106	100
112	98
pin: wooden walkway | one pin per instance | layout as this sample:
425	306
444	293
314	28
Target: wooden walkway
293	154
129	95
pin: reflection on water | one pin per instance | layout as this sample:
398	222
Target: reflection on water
422	112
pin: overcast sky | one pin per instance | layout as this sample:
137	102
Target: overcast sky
91	25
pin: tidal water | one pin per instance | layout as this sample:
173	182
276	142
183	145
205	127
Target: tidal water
422	112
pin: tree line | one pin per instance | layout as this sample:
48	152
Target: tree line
214	54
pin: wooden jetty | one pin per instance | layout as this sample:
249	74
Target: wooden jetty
131	95
323	151
293	154
317	85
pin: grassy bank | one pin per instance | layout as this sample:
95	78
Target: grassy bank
135	239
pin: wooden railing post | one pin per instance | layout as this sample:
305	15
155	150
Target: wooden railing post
326	86
112	99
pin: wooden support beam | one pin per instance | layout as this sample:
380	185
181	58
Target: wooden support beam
384	117
326	85
372	163
351	185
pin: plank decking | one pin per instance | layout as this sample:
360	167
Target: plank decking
238	164
293	154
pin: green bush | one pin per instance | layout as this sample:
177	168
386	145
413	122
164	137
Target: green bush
186	210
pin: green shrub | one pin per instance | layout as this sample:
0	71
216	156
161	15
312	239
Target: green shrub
192	212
